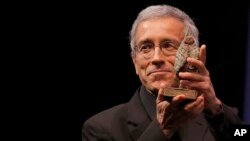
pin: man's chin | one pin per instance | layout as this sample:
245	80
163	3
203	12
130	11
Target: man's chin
163	84
155	88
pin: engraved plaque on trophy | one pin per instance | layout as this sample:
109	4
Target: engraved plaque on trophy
187	48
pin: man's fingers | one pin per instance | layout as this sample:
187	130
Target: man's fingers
197	104
178	99
160	96
199	64
203	54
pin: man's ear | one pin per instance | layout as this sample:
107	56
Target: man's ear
134	62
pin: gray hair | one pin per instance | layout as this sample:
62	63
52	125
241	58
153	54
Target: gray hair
163	11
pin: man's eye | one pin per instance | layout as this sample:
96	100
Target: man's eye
169	45
145	47
166	44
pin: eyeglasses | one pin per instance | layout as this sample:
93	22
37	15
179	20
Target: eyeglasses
147	48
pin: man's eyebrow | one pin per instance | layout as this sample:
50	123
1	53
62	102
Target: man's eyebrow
171	40
145	41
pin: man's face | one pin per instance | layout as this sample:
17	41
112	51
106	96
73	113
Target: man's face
157	41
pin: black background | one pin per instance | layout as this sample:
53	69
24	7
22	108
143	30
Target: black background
100	60
82	57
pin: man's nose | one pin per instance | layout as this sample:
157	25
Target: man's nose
158	54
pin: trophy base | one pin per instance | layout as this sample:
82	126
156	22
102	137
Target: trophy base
172	92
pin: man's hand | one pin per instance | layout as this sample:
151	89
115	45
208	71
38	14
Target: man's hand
173	115
201	81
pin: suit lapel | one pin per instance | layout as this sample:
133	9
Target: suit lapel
138	120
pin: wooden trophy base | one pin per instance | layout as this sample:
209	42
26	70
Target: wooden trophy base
172	92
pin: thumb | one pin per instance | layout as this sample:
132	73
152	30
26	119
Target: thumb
160	96
203	54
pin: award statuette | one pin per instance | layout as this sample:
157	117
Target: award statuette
187	48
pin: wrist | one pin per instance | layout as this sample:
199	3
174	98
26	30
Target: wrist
215	107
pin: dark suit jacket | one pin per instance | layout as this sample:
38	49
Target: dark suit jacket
132	121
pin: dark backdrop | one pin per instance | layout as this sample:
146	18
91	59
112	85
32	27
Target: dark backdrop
90	59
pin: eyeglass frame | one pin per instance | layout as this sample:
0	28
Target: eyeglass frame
147	54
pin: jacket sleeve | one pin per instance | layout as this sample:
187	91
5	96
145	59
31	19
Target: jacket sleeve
91	132
221	124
